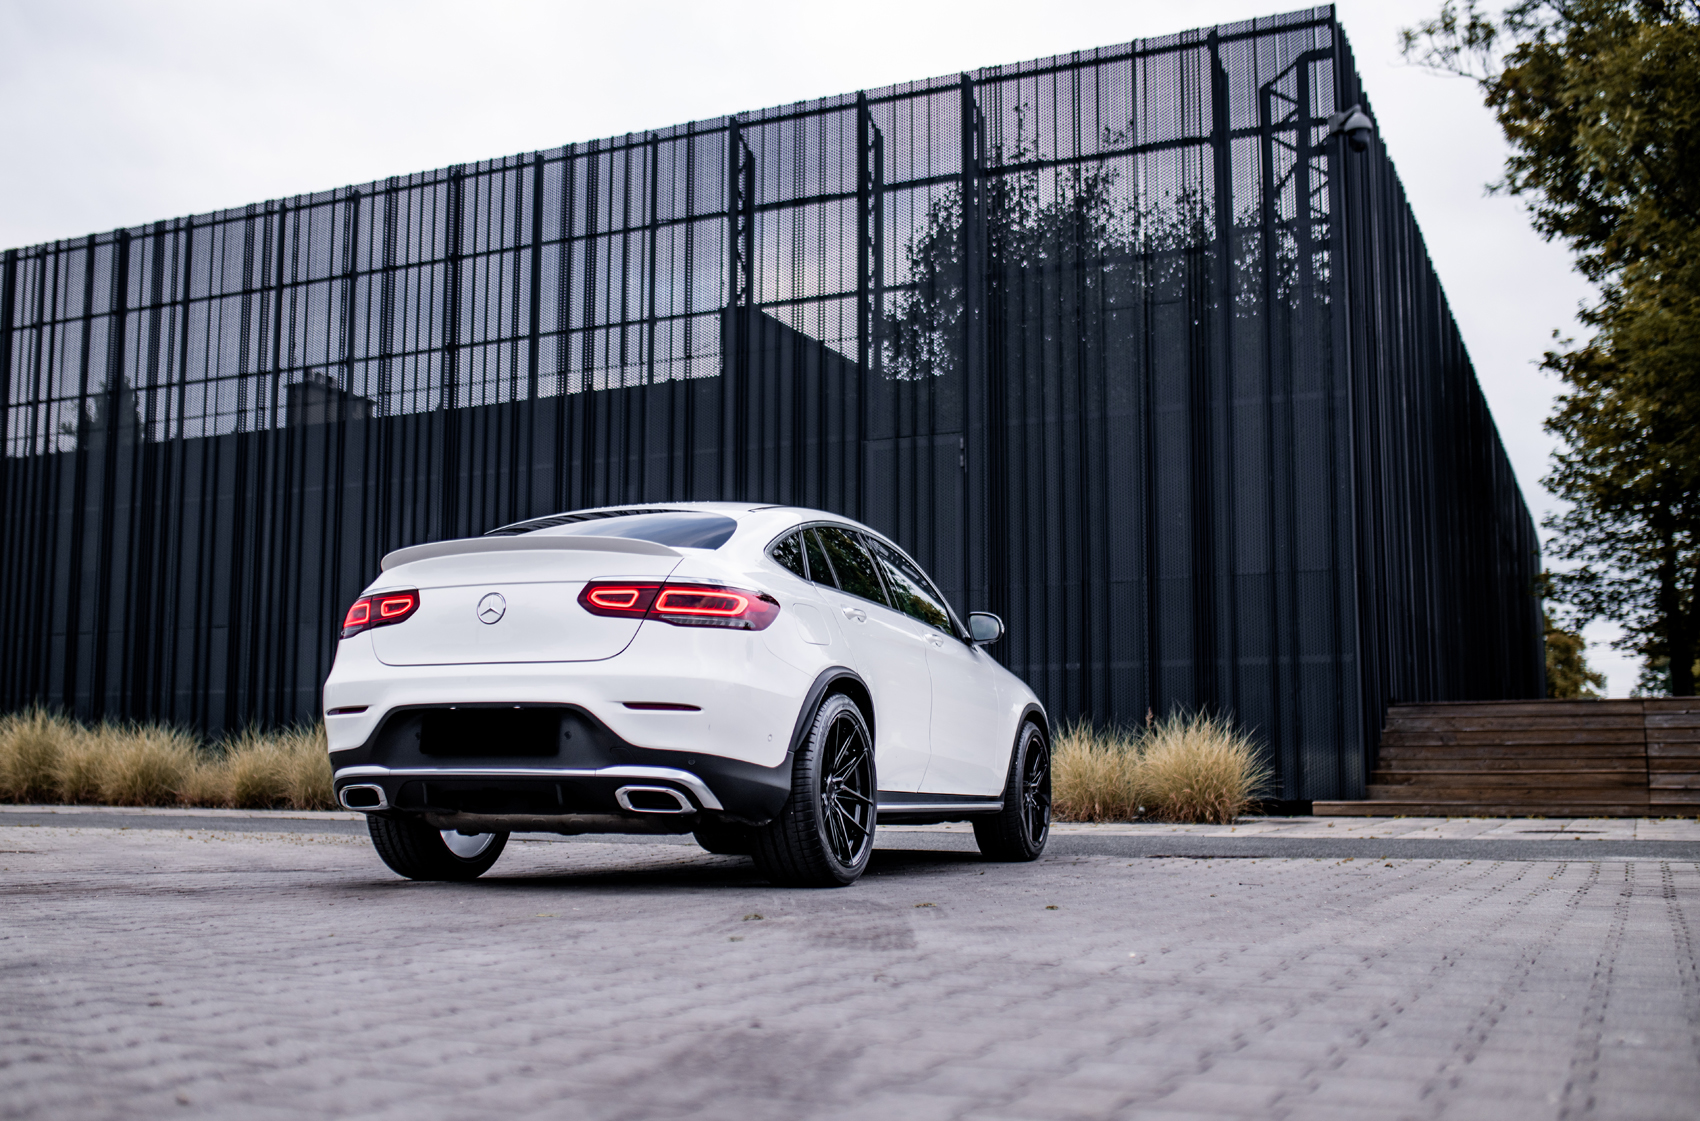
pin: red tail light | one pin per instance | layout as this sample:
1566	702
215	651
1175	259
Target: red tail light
379	611
683	605
619	599
357	618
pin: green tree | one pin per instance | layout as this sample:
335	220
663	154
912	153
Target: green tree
1655	678
1600	100
1568	675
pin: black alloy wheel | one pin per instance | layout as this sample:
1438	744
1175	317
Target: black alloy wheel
414	849
1020	830
825	833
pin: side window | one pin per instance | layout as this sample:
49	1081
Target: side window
789	554
819	570
911	591
855	568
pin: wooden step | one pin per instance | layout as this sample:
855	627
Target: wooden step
1466	709
1569	758
1673	755
1604	758
1417	808
1508	780
1532	795
1401	723
1533	737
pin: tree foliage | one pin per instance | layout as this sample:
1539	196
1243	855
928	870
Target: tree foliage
1067	255
1568	674
1600	100
1078	227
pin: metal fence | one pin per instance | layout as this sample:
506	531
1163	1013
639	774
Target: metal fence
1121	344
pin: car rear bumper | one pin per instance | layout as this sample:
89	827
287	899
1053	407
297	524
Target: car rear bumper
591	781
689	690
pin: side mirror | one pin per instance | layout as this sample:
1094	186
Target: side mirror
984	628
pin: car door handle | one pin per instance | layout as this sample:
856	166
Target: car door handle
856	613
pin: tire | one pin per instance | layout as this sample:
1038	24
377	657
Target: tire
415	850
1019	832
824	834
725	840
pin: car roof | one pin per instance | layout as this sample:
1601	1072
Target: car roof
735	510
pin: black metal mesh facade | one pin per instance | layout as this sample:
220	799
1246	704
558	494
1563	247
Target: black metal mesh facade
1122	345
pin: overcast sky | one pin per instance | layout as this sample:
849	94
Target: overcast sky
113	114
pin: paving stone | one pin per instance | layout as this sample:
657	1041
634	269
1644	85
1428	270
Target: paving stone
274	976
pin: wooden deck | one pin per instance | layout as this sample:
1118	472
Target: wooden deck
1634	758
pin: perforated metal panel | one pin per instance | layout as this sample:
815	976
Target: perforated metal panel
1122	345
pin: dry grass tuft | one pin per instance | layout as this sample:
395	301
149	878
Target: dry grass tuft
255	767
143	764
78	773
208	784
32	744
47	757
1094	774
308	775
274	770
1183	768
1199	769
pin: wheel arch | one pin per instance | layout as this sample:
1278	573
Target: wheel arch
1033	713
834	679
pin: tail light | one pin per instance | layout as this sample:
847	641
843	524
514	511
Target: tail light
379	611
683	605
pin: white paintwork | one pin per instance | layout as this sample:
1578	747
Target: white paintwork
965	719
539	541
888	654
942	724
543	621
811	623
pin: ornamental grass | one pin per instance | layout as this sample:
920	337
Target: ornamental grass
1183	768
1094	774
48	757
1194	768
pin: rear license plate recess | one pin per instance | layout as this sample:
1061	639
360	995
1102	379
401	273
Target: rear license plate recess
490	732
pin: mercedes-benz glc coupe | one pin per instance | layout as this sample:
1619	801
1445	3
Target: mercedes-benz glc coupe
774	680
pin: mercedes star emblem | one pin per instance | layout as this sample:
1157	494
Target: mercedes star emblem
491	608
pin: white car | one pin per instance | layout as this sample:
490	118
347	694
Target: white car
774	680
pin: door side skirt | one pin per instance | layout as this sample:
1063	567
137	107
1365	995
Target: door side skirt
898	807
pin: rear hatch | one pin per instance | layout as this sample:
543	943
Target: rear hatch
514	605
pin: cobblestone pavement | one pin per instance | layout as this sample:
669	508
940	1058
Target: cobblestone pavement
199	972
1406	828
1462	838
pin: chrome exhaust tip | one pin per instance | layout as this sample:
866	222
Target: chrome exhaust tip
364	797
653	800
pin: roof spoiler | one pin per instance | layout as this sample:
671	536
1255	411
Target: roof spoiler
524	544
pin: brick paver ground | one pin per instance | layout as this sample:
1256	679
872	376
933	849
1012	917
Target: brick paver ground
149	973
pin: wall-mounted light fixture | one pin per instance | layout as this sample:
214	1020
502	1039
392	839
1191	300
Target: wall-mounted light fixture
1356	126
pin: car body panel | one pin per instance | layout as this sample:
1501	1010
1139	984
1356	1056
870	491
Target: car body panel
970	718
805	634
745	698
889	655
535	614
945	716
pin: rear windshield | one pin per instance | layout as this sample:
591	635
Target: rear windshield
686	529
